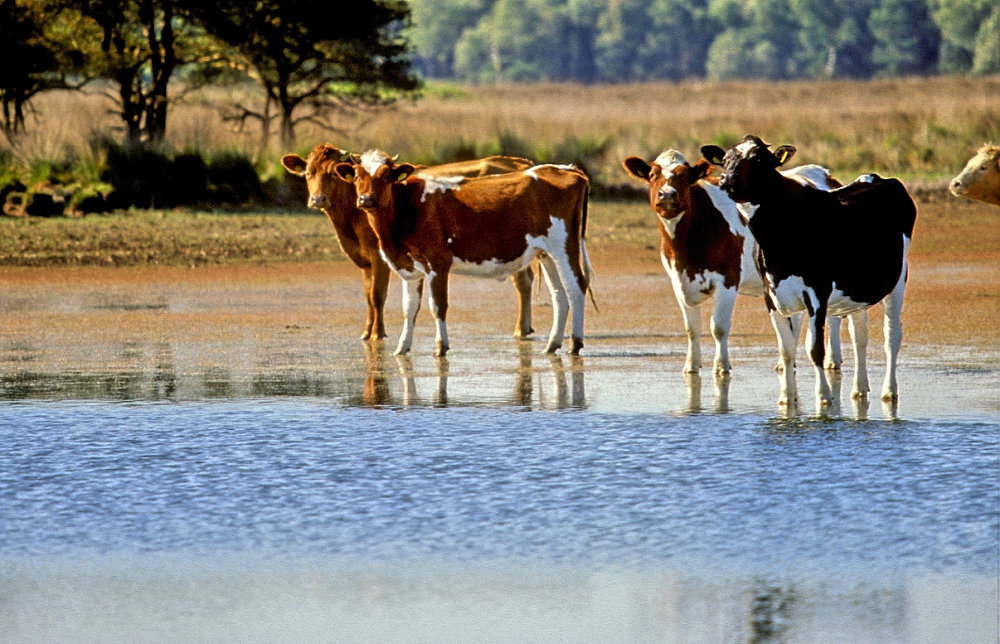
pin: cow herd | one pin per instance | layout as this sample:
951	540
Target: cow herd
735	221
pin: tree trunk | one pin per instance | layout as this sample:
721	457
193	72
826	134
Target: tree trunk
163	60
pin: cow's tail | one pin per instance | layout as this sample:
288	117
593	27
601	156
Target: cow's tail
588	269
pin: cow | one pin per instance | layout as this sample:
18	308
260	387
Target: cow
358	241
707	249
489	226
980	180
822	252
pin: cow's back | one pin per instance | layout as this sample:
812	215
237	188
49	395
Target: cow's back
492	217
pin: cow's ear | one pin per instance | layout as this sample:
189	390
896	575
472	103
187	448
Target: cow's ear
637	168
784	153
402	171
294	164
345	171
713	153
701	169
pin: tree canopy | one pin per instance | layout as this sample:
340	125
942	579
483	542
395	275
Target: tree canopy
637	40
306	63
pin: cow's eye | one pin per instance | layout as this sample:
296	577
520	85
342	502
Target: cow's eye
309	174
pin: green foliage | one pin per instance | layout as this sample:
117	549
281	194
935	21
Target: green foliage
632	40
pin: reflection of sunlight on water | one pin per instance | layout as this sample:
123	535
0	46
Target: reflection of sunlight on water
321	600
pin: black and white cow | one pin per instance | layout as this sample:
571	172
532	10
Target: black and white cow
707	249
825	253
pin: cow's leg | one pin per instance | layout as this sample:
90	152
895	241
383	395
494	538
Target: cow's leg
378	288
574	283
560	303
893	331
785	329
438	300
692	323
412	292
369	280
722	320
857	324
815	344
523	279
834	354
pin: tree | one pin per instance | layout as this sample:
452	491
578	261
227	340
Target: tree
137	44
906	41
681	34
834	38
30	66
970	35
303	60
438	25
622	28
758	40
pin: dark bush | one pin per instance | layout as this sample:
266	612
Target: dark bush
140	176
233	179
189	176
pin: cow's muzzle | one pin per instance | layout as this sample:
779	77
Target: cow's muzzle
319	200
366	201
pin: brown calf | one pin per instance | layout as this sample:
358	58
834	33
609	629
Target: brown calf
490	226
337	200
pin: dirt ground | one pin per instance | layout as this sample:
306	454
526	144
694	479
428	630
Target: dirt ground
281	316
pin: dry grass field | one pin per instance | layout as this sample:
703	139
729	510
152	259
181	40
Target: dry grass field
917	128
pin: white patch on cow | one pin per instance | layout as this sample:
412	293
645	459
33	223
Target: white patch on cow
372	160
865	178
419	272
840	304
440	184
745	147
789	295
493	268
669	159
532	171
671	224
698	288
727	207
811	175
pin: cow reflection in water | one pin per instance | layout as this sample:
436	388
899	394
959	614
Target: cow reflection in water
693	382
567	388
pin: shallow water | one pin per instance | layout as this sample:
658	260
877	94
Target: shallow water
278	483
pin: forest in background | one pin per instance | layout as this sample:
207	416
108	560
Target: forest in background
602	41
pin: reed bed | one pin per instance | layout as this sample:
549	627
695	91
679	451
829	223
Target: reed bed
922	129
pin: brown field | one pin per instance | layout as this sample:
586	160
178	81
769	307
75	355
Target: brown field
953	296
916	128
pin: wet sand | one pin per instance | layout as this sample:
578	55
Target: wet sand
232	327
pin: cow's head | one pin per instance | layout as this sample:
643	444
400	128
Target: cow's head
318	171
373	175
748	168
670	180
980	179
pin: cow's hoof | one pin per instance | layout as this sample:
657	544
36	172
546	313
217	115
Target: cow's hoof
575	344
890	397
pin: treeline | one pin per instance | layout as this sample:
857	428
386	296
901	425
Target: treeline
135	50
591	41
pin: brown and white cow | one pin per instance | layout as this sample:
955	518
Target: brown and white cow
337	199
980	180
708	251
824	253
489	226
